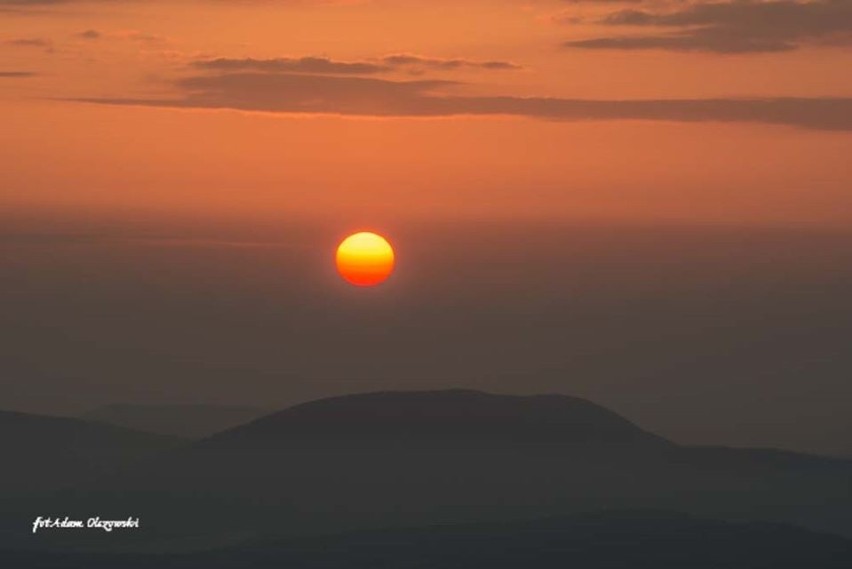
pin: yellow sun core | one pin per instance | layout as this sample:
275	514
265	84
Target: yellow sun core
365	259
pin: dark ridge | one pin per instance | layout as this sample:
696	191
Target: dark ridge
455	415
189	421
714	457
606	540
412	459
41	450
52	433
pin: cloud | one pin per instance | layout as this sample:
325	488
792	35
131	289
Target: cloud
603	1
366	96
409	60
307	93
16	74
740	26
127	35
699	40
23	6
90	35
326	66
318	65
29	42
142	37
47	3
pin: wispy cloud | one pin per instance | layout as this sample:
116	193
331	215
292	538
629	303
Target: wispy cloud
327	66
319	65
739	26
90	35
29	42
365	96
24	3
417	61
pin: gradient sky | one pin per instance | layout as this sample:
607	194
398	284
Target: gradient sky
643	202
735	112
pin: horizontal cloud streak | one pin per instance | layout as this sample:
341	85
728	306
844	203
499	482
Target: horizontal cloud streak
326	66
732	27
699	40
319	65
362	96
29	42
409	60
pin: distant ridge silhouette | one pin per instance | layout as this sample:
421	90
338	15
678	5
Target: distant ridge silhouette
407	459
45	451
456	415
189	421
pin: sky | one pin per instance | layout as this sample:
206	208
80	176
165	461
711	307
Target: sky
643	202
718	112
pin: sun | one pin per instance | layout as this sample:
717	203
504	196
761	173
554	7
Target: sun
365	259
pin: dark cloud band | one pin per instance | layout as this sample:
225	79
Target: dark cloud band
364	96
323	65
742	26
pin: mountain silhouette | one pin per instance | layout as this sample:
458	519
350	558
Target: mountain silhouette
405	459
188	421
41	451
445	417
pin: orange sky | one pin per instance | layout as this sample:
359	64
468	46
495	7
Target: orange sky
207	108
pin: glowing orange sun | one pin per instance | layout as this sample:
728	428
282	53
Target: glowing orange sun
365	259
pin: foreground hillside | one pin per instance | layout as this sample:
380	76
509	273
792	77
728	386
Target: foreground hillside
384	460
614	540
40	452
